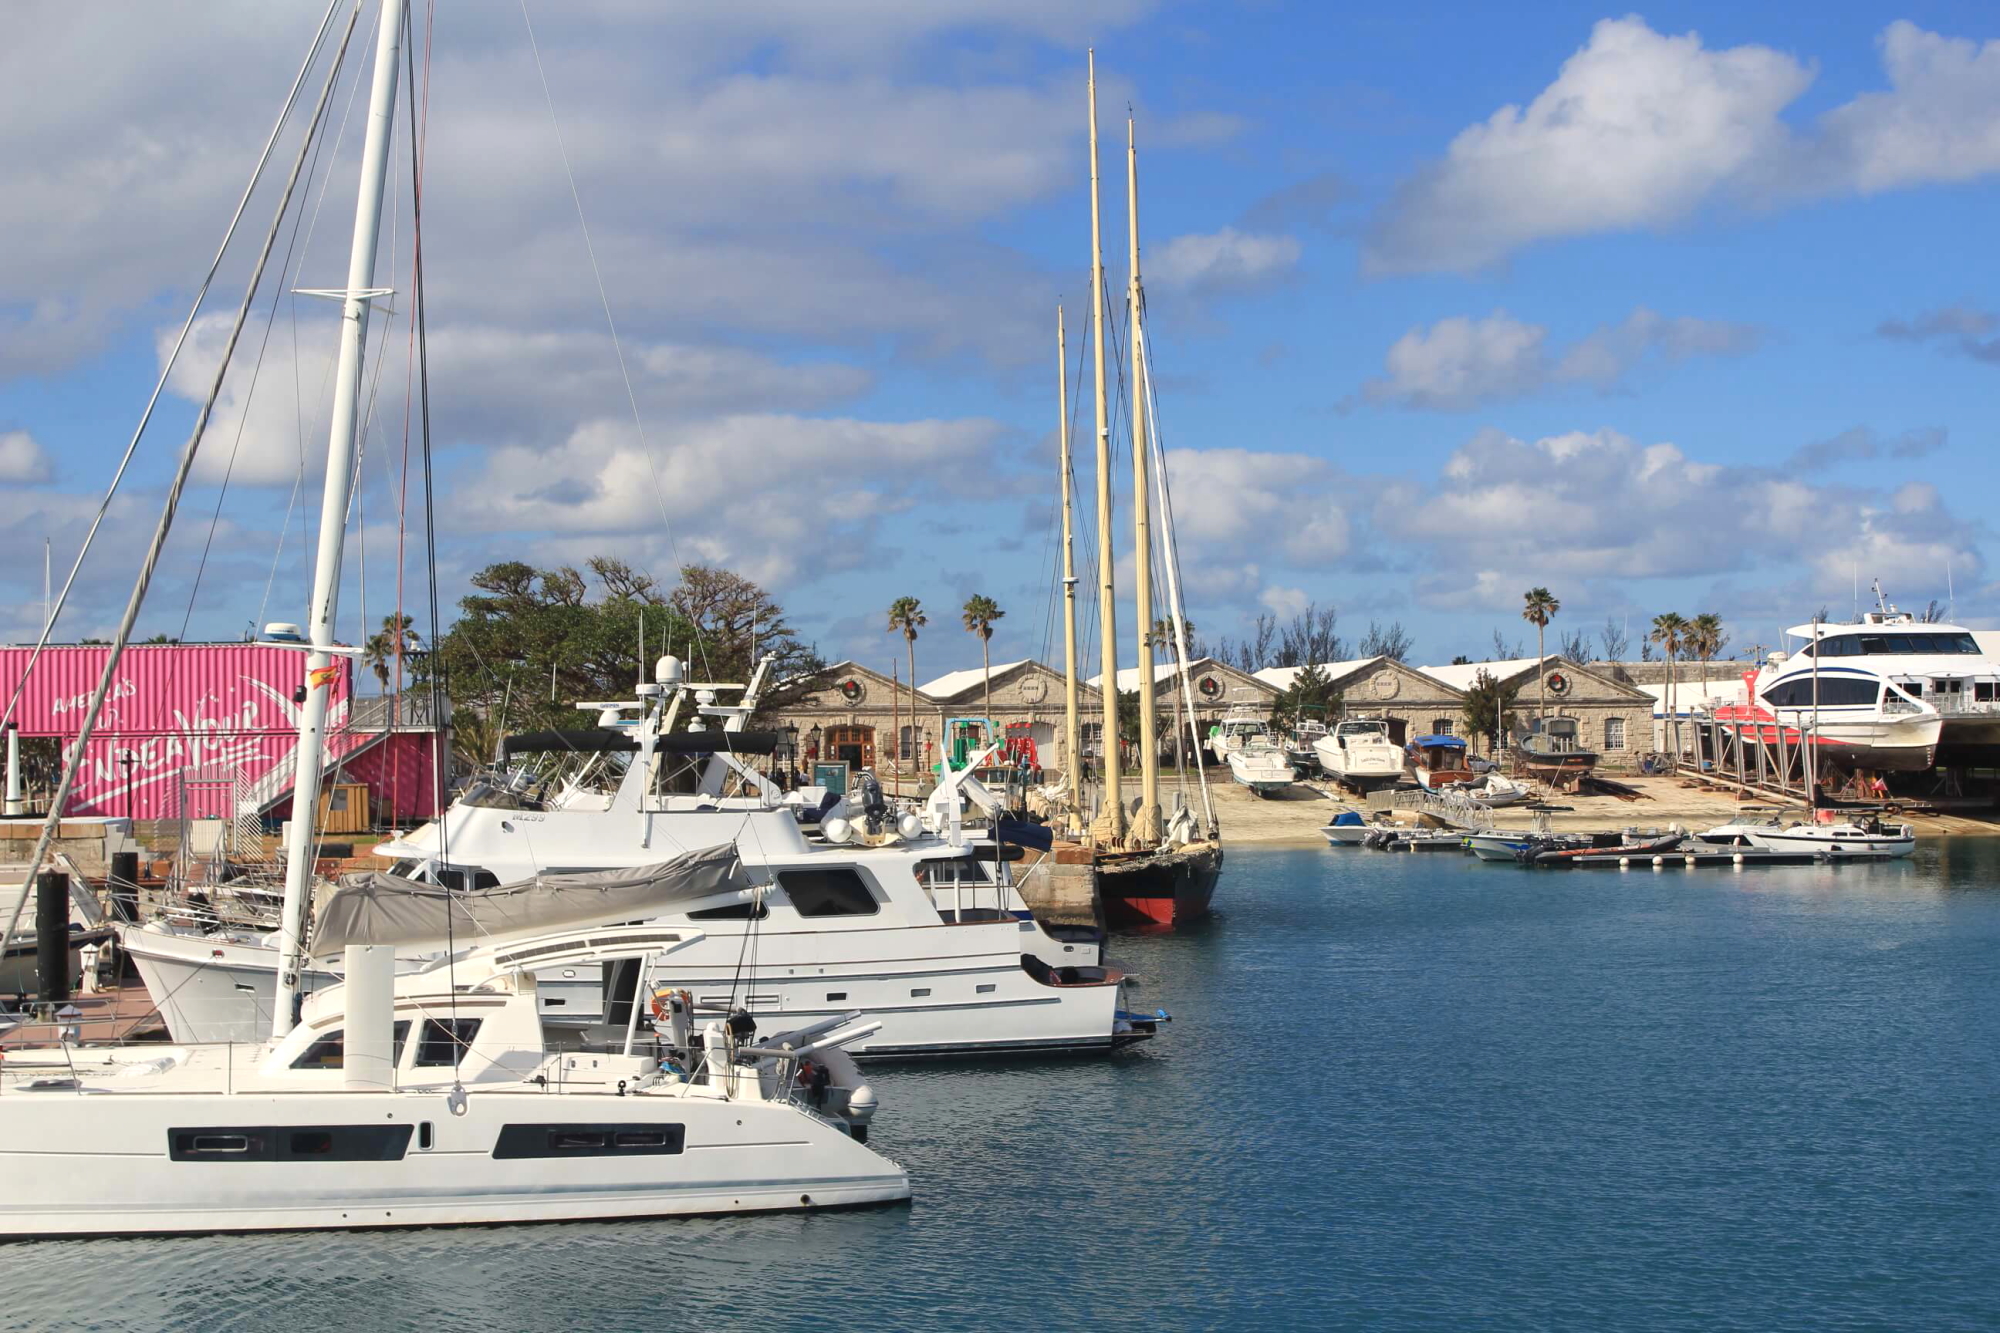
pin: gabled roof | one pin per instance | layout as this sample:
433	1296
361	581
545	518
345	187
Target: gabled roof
1461	675
840	671
1281	678
1165	672
1522	671
957	682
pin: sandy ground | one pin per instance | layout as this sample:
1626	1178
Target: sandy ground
1295	816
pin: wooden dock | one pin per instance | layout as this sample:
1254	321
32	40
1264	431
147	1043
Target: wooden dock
126	1014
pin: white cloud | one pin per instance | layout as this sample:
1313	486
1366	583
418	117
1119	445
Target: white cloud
22	461
777	498
1460	363
1227	500
1641	129
1583	506
1223	260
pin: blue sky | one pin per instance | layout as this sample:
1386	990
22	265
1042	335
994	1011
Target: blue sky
1682	310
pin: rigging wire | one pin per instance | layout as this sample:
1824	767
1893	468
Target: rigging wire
179	484
173	354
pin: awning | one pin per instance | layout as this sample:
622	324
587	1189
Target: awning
380	908
592	740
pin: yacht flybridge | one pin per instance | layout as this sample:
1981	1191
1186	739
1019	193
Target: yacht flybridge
909	925
444	1096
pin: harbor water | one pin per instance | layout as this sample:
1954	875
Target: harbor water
1399	1092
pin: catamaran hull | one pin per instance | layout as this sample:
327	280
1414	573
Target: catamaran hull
1872	742
103	1164
1159	889
974	1002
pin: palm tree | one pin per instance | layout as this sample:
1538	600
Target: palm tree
398	636
1670	630
980	613
1538	608
1705	639
907	614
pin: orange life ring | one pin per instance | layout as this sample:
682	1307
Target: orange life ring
659	1002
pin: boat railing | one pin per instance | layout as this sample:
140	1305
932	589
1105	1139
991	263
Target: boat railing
1952	703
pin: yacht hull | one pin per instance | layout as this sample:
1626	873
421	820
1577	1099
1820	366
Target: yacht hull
108	1164
1159	889
955	989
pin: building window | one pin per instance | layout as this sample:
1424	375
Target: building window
1441	726
1090	736
911	739
1614	733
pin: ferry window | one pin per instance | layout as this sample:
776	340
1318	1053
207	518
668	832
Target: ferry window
828	892
1961	643
443	1042
330	1051
1840	645
1874	644
1982	691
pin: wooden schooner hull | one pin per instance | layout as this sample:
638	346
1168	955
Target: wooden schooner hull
1159	889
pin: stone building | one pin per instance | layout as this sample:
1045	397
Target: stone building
1615	719
1413	702
1218	690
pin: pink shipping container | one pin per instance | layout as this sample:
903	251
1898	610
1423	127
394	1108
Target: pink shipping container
223	706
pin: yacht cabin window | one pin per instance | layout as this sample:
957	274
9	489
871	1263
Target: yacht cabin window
330	1051
833	892
444	1041
467	877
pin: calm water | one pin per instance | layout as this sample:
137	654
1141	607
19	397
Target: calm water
1400	1092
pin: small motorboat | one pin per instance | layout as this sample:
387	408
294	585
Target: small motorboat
1439	761
1299	746
1499	790
1359	755
1264	769
1650	844
1346	829
1553	751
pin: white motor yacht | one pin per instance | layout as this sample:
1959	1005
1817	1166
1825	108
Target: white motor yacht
906	924
443	1097
1359	754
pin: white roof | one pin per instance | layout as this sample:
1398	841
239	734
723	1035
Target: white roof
1282	677
1690	695
1461	675
1128	677
956	682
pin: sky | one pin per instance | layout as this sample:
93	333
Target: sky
1686	309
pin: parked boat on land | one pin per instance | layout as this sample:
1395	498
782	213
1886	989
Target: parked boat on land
1552	749
1439	762
1299	745
1359	755
1264	769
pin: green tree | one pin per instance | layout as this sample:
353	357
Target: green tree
530	643
1539	606
1670	632
1488	709
1310	695
980	613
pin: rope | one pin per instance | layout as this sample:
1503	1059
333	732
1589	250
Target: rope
173	355
166	523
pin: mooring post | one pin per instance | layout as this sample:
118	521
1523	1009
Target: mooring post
125	886
52	935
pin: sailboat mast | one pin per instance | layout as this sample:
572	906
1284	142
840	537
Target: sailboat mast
340	448
1110	827
1146	826
1072	726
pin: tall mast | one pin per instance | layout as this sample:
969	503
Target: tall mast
1146	825
360	291
1110	826
1072	727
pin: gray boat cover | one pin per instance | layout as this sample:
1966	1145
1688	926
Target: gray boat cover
380	908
